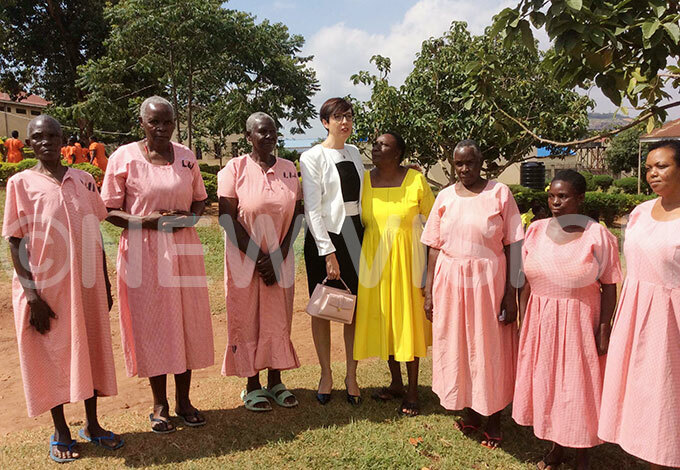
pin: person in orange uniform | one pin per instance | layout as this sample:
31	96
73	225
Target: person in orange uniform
74	152
98	154
13	148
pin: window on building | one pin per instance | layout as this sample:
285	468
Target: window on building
21	111
35	113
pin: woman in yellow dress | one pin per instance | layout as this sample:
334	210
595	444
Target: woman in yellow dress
390	318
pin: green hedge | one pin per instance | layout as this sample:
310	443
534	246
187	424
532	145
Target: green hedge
590	180
212	169
629	185
598	205
603	181
210	182
9	169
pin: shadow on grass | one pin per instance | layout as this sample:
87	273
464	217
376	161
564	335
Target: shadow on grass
230	431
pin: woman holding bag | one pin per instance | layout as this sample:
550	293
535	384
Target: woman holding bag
332	174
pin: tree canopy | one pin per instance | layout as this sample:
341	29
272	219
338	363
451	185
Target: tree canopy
444	100
216	65
625	48
622	153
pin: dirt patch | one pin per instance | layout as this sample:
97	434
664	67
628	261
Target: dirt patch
134	394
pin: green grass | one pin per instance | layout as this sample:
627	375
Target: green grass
335	436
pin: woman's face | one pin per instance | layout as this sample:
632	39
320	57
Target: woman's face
159	123
385	151
263	137
45	140
663	174
339	124
467	165
563	200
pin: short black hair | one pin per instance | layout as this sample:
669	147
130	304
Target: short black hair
401	143
674	145
574	178
15	134
332	106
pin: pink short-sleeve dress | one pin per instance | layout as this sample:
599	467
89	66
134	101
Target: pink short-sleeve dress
473	354
559	372
259	317
60	225
641	392
162	287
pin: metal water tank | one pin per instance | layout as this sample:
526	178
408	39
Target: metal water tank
532	175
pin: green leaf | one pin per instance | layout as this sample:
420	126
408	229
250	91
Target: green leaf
659	7
650	124
649	28
537	19
597	35
527	36
673	31
575	4
468	104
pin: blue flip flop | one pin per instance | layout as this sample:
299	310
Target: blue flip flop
98	440
69	446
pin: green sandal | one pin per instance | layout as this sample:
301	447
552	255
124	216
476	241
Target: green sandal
279	393
255	397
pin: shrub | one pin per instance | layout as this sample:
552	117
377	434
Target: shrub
210	182
95	171
6	171
603	181
26	163
527	197
590	182
628	185
212	169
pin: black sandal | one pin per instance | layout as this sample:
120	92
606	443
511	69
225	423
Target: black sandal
161	426
385	394
410	409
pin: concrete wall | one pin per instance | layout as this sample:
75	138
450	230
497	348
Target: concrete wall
15	117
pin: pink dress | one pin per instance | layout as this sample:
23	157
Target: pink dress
473	354
559	373
259	317
641	392
165	319
60	225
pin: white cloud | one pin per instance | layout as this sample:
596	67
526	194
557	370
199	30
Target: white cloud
340	51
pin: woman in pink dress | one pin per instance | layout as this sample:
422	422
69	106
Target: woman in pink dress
62	296
261	212
571	264
471	295
641	392
154	190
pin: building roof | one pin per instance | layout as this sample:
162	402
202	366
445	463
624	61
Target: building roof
670	130
30	100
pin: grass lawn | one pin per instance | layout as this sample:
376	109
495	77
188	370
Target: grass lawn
336	436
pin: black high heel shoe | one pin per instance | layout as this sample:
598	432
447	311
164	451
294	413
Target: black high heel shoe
323	398
354	400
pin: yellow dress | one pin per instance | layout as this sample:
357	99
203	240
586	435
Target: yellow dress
390	318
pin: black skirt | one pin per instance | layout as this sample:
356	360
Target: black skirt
347	254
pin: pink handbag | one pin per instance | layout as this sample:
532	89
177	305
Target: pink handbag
331	303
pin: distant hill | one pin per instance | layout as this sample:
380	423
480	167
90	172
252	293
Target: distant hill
602	121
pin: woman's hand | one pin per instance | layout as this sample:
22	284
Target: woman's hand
40	315
265	268
332	267
602	338
152	221
509	305
428	305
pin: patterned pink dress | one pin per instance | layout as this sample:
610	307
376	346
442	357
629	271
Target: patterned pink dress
473	354
60	225
162	287
559	373
259	317
641	393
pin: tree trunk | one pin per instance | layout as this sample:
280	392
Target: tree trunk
189	102
174	95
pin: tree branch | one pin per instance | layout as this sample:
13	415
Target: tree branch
573	143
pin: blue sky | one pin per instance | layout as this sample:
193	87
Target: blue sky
343	35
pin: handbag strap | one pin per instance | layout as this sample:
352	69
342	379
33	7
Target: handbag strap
343	283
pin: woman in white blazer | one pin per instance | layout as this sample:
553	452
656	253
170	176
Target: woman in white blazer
332	175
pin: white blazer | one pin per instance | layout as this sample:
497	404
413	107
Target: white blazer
324	206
